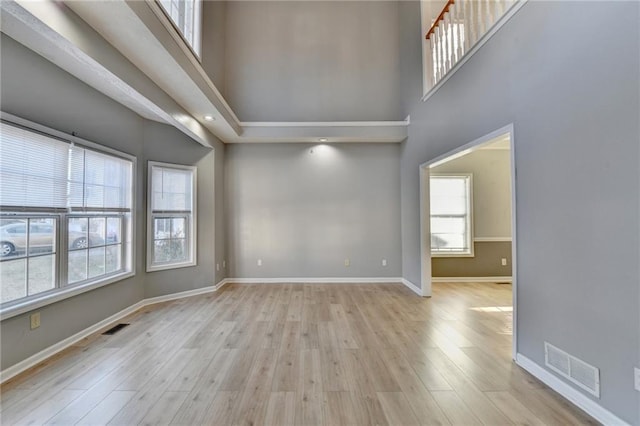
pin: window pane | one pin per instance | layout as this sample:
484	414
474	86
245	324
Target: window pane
448	225
41	274
77	266
13	276
97	229
179	250
78	227
96	262
13	237
448	242
170	251
114	258
162	228
114	230
42	236
178	227
161	251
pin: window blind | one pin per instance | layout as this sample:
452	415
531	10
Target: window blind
171	189
40	171
33	169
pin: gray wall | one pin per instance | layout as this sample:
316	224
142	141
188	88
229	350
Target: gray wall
572	94
214	42
303	213
34	89
312	61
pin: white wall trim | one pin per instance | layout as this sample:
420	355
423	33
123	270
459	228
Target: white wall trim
485	38
505	279
24	365
37	358
576	397
324	123
492	239
417	290
321	280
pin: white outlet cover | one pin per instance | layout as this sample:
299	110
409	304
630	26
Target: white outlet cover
217	266
384	262
636	378
347	262
259	262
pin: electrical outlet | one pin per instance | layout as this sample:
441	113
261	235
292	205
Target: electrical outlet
384	262
636	378
224	263
35	320
347	262
217	266
259	262
504	261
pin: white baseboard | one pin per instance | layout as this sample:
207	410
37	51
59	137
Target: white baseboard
506	279
576	397
322	280
35	359
417	290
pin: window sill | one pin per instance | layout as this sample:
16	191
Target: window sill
155	268
57	296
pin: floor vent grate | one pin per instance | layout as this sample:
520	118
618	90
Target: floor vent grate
573	369
115	329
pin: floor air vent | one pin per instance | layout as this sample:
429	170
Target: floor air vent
115	329
573	369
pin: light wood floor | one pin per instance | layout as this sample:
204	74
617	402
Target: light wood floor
287	354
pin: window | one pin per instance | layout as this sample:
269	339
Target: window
451	224
186	16
171	219
65	215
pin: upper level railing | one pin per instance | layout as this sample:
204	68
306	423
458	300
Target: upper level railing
458	27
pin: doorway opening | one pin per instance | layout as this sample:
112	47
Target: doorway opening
468	220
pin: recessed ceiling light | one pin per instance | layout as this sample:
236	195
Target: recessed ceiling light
209	117
323	139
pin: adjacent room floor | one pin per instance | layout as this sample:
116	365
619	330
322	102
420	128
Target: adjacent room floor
297	354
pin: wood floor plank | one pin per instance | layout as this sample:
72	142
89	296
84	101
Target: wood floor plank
281	409
297	354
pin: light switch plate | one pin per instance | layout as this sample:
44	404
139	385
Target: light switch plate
636	378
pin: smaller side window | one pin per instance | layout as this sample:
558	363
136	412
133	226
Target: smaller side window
171	236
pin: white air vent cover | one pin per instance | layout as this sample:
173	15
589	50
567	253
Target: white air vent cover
573	369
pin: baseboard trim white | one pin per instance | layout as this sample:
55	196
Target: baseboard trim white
321	280
37	358
576	397
506	279
417	290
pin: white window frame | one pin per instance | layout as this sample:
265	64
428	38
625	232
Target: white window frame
195	45
469	217
191	218
62	289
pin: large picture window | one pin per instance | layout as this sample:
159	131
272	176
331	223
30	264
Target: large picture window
171	219
451	223
65	215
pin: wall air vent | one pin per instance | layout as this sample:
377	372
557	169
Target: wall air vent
573	369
